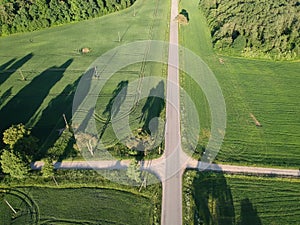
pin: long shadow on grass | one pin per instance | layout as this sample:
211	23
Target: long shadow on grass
248	214
5	72
114	104
5	95
213	199
49	125
153	108
27	101
5	65
80	96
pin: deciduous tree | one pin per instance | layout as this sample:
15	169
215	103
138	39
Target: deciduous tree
13	164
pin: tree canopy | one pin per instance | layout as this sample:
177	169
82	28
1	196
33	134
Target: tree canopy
21	16
269	27
20	150
19	139
48	168
13	134
13	164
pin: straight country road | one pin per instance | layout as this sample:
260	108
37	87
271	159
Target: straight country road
172	182
193	164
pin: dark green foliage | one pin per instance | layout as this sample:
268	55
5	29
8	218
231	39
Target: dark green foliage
255	28
48	168
20	142
22	16
20	150
63	147
13	164
15	133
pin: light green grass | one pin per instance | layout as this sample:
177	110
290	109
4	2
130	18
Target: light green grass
48	92
269	90
216	198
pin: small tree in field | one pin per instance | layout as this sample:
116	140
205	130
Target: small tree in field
48	169
133	171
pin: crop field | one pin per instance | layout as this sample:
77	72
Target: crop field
215	198
50	62
74	206
265	90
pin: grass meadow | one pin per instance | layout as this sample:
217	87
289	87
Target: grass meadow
78	197
266	89
75	206
215	198
50	61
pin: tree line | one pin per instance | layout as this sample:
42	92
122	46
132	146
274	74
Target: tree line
254	27
21	148
29	15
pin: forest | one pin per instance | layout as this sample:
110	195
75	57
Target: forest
255	28
29	15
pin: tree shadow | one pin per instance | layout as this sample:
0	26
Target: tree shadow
5	65
68	151
249	214
213	199
185	14
83	88
26	102
114	104
4	75
5	95
49	124
152	109
118	97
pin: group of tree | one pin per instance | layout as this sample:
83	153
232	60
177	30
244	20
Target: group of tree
19	150
21	16
269	27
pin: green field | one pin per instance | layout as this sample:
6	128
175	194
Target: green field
215	198
50	61
78	197
78	206
267	89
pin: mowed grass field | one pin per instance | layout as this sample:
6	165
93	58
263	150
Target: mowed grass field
50	61
266	89
75	206
215	198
